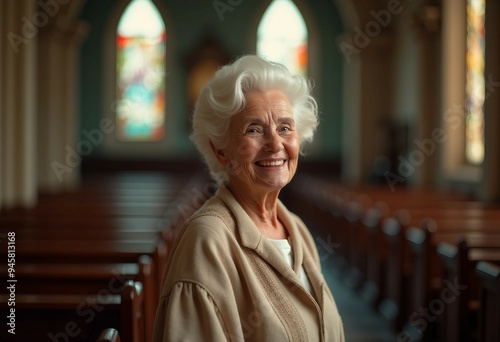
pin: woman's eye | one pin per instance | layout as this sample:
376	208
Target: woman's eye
252	130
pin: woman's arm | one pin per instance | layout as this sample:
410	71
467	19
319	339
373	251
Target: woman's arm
188	314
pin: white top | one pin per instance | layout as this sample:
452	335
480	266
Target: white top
285	249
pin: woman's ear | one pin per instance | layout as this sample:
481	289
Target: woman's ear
219	154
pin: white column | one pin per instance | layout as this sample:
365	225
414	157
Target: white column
351	144
427	30
51	127
26	123
453	62
367	103
18	105
74	32
57	99
59	127
8	105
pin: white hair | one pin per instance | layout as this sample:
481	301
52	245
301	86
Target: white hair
224	96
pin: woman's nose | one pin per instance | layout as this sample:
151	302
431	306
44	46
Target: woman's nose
273	142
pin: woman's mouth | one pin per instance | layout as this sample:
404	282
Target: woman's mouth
271	163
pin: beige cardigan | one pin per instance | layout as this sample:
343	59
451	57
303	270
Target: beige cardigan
227	282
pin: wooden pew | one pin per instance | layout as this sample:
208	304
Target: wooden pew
75	251
103	224
425	278
120	201
98	252
374	254
61	317
95	278
458	321
489	298
109	335
350	220
49	235
395	279
377	237
84	210
91	229
131	314
354	240
397	261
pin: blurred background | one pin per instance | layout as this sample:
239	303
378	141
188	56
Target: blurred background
98	175
407	90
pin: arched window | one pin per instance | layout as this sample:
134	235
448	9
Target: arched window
475	87
140	73
282	36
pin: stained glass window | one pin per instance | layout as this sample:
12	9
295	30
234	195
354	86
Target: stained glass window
140	72
282	36
475	87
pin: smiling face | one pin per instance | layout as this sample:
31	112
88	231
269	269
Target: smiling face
263	147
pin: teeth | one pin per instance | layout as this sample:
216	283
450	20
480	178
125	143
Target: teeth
273	163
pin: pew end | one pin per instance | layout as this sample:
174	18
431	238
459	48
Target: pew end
109	335
131	313
489	312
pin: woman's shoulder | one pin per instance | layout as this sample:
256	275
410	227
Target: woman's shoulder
208	229
211	214
203	246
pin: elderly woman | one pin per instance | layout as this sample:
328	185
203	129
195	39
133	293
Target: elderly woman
244	268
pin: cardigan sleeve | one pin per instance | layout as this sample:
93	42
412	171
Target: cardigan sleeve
188	314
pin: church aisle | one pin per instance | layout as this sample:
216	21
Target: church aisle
361	322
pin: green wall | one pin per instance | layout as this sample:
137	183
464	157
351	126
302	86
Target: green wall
187	23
